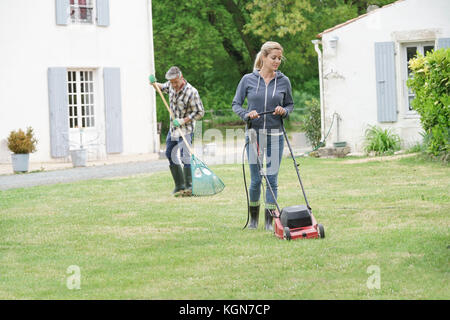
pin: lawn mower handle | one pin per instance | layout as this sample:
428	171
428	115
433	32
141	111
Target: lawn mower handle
249	120
265	112
261	114
295	163
290	151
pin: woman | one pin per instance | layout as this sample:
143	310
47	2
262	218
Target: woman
266	89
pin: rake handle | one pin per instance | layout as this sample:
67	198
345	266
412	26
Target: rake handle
172	116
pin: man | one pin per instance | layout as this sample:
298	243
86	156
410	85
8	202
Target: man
187	107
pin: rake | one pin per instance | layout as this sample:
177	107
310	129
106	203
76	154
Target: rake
204	181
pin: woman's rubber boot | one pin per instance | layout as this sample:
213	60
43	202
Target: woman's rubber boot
178	178
268	219
187	182
254	217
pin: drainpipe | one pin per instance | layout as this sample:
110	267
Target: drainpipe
153	121
322	103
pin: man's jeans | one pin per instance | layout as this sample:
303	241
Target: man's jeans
172	146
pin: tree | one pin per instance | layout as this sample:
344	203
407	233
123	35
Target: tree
215	42
240	19
271	18
213	28
362	5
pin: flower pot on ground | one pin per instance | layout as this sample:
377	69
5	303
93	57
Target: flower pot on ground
21	144
79	157
340	144
20	162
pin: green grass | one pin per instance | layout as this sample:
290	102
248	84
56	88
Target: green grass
132	240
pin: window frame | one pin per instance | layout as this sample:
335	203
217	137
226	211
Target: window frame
420	45
78	100
90	5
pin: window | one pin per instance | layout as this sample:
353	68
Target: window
411	51
81	98
81	11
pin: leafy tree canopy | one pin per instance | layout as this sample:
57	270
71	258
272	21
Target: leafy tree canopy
214	42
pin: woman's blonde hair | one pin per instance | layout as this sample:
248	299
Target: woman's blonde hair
266	48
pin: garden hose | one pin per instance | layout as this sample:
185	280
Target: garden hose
245	185
321	143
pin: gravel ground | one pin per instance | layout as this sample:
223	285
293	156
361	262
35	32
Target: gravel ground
77	174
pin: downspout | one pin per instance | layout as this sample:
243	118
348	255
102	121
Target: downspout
153	122
322	103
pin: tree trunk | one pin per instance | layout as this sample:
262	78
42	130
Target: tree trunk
227	44
239	21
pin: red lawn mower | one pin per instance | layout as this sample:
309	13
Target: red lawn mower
294	222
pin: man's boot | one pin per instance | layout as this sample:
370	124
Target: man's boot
187	182
254	217
178	178
268	219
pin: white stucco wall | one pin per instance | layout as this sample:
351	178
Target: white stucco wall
31	42
349	69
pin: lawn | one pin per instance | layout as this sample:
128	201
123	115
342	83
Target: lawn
127	238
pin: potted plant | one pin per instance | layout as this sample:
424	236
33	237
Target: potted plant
21	144
79	156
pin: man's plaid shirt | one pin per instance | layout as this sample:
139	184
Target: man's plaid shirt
185	103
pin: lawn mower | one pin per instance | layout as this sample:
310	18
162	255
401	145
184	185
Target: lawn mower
293	222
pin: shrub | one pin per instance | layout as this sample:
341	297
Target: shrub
311	121
21	142
431	84
381	141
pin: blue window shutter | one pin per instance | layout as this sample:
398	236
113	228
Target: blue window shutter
113	110
443	43
103	13
62	11
59	112
386	81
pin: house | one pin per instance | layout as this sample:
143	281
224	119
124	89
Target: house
363	68
78	70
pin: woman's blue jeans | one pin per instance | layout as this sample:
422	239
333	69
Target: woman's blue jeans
270	147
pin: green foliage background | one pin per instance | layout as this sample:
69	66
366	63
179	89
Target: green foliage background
214	42
311	123
431	84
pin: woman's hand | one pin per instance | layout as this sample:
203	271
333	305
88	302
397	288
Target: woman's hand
253	115
279	111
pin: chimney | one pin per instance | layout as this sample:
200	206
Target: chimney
372	7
